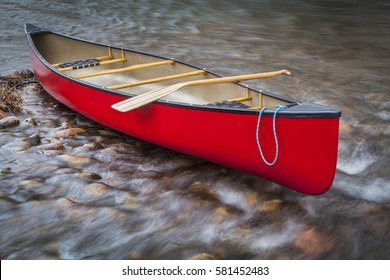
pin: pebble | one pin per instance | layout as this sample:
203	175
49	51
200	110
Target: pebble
223	211
6	170
90	176
30	183
135	255
9	121
94	146
33	140
87	194
69	132
346	128
221	214
252	198
15	75
97	190
26	73
313	243
2	106
201	189
75	161
17	146
271	206
29	122
52	249
50	146
64	171
130	203
203	256
3	114
124	148
51	152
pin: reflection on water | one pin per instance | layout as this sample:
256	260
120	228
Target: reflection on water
71	189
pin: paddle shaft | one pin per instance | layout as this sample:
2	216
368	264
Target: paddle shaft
148	97
236	78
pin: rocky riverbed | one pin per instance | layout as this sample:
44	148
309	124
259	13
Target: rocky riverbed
73	189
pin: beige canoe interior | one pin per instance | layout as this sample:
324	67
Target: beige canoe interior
135	73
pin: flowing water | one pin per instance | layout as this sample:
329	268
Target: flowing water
72	189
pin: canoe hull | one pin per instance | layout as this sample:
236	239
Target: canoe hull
307	145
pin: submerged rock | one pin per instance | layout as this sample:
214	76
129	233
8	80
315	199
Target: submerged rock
129	202
75	161
15	75
203	256
9	122
17	146
2	106
90	176
271	206
69	132
346	128
252	198
6	170
94	146
89	193
3	114
33	140
26	73
29	122
51	146
313	243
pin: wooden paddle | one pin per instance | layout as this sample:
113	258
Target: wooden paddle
150	96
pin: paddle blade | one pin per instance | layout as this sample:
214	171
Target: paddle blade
145	98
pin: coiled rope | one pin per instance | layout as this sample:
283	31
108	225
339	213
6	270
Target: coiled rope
278	108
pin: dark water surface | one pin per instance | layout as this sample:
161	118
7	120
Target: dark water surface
72	189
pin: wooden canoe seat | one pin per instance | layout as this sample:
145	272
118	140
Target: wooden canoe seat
80	63
237	102
89	62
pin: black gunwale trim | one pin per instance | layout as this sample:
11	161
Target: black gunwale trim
328	113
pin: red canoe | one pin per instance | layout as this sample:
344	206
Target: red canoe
293	144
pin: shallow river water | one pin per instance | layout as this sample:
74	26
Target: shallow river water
72	189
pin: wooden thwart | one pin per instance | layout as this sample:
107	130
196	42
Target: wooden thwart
159	79
130	68
148	97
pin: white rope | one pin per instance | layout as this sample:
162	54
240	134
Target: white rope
278	108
